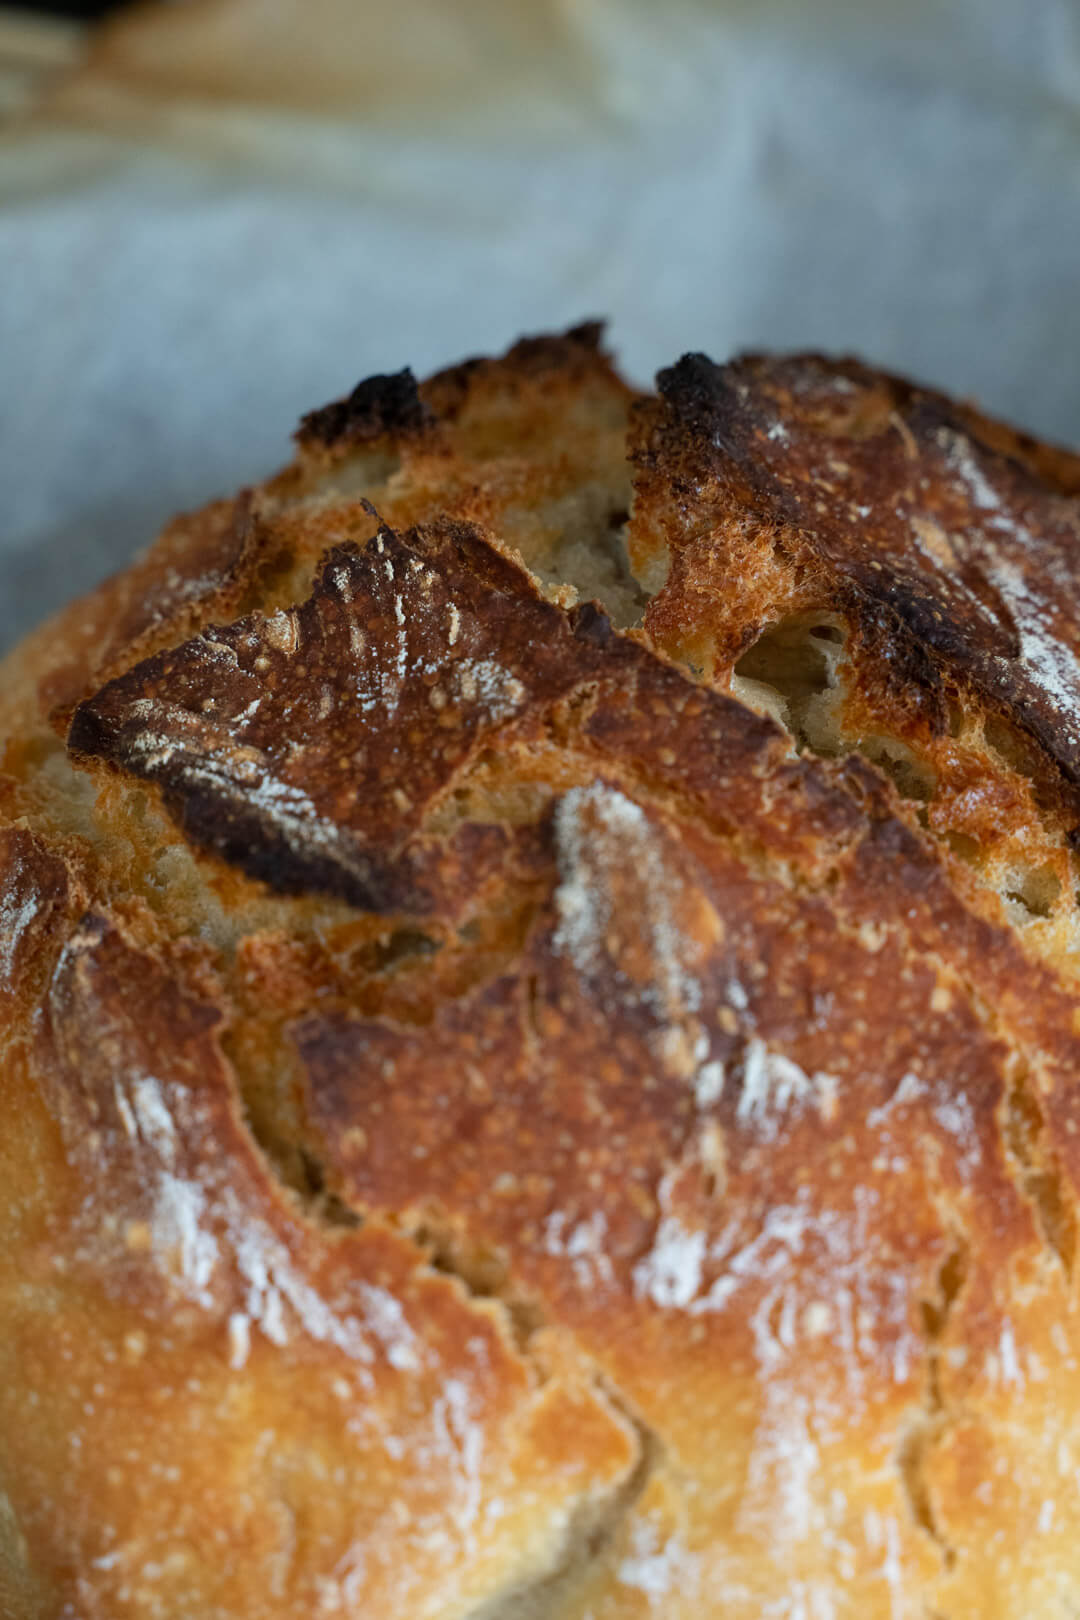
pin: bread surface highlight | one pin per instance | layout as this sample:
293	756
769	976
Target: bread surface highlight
538	1019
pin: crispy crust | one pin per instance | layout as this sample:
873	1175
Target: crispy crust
378	405
851	466
498	1127
440	639
789	494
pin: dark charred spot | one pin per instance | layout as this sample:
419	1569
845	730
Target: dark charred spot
591	624
386	403
696	390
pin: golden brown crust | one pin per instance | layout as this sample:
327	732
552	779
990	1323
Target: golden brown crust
890	573
495	1127
958	553
206	1264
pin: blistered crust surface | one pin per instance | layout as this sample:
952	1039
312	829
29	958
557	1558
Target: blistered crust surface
496	1128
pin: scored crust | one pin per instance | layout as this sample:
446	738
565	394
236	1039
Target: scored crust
538	1019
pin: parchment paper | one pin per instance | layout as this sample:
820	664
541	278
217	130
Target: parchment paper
230	217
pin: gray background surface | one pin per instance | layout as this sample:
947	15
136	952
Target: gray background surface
898	180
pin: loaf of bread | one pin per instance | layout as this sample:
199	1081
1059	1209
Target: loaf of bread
539	1021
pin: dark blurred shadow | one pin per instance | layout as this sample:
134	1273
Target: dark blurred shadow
68	8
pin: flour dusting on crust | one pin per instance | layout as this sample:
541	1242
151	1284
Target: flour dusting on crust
618	903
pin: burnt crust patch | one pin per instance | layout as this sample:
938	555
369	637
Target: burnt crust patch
387	403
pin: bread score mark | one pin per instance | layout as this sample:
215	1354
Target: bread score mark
308	747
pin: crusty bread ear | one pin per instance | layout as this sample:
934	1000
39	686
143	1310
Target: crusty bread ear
888	573
538	1021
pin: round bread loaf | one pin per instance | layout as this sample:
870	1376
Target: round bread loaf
539	1021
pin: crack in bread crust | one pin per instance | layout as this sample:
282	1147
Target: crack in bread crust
935	547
